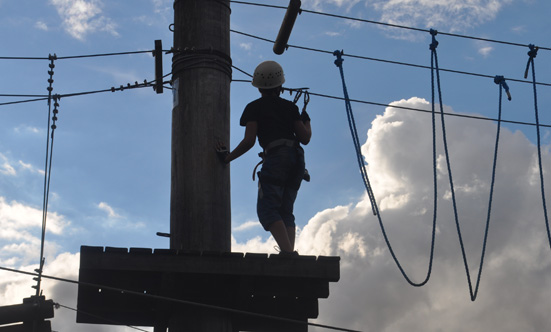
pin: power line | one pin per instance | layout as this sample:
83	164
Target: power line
386	61
23	101
98	317
72	56
475	117
196	304
74	94
391	25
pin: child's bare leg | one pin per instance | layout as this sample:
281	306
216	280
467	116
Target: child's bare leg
279	232
291	231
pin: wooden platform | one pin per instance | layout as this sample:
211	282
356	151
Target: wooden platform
271	285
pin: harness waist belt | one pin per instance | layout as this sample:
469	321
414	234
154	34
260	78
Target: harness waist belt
281	142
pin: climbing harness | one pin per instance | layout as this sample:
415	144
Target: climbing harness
532	54
287	142
361	163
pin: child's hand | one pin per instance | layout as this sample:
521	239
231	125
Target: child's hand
222	151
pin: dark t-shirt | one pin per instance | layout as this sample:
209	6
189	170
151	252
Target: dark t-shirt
275	117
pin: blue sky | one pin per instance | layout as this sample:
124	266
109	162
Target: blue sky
111	165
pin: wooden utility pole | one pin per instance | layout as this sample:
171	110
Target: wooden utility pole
200	217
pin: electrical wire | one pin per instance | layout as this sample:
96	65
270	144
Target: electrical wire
57	304
474	117
390	25
387	61
23	101
196	304
73	56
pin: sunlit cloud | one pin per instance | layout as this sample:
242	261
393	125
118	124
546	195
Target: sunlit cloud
81	17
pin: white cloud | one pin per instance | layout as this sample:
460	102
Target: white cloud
332	33
110	211
81	17
318	4
485	51
41	25
246	226
246	46
372	294
448	15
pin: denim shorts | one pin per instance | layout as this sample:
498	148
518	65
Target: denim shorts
278	184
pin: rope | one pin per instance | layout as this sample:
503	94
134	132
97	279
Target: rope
532	54
354	132
502	85
365	179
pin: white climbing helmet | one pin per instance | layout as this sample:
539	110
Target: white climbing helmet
268	75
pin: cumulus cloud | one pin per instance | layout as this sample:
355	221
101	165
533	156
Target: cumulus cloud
20	236
82	17
451	15
372	295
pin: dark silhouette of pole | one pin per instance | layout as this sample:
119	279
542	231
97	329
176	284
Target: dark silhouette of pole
200	184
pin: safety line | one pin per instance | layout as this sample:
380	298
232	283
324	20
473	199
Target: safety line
388	24
387	61
196	304
367	185
532	54
501	82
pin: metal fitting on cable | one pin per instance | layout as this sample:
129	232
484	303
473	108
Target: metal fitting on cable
289	19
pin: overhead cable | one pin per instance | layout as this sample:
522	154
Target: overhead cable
164	298
390	24
386	61
74	56
98	317
474	117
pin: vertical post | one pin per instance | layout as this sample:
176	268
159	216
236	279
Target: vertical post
200	183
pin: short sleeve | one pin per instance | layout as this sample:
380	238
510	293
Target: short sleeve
249	114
